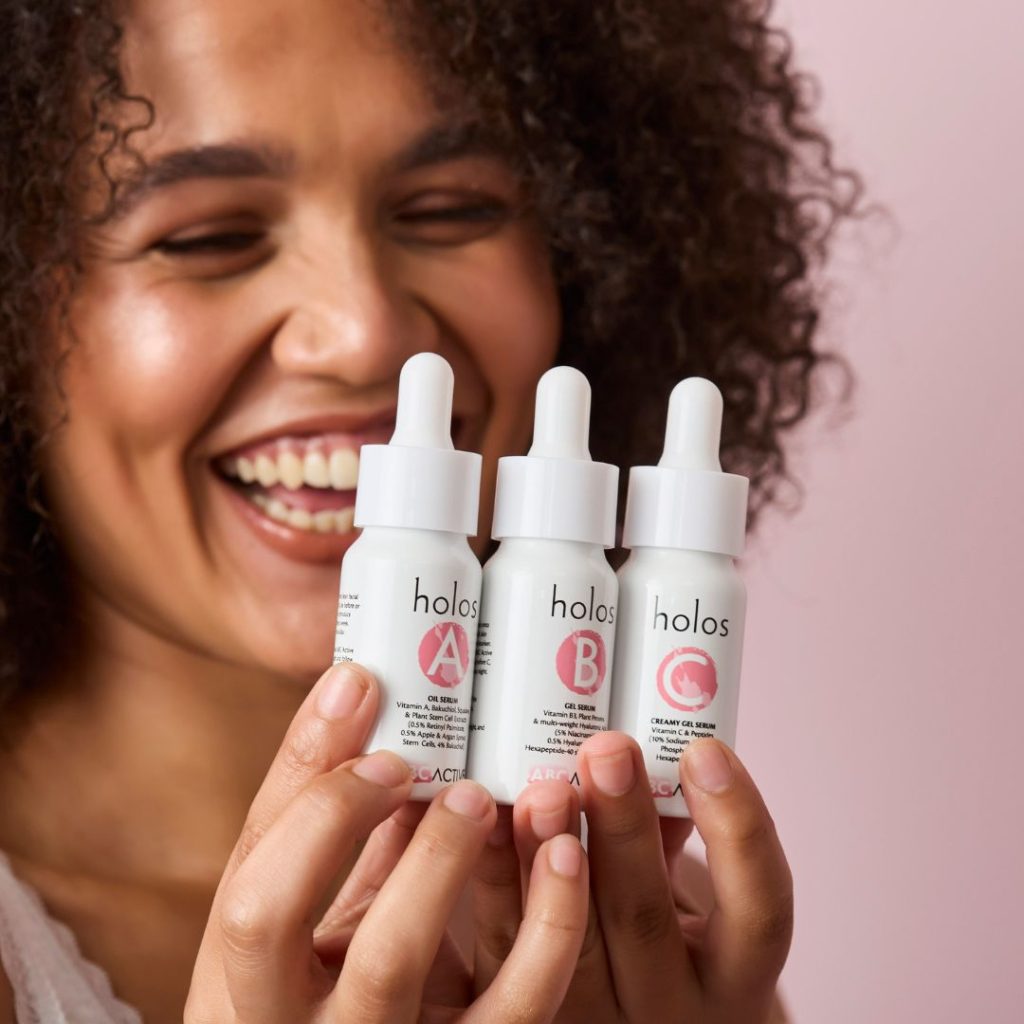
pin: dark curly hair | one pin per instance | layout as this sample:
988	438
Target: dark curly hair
669	149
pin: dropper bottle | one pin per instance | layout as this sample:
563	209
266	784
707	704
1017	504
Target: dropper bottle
410	585
682	600
547	621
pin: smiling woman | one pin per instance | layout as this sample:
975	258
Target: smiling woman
226	226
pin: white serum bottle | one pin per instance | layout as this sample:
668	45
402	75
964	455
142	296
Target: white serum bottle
547	620
410	585
682	602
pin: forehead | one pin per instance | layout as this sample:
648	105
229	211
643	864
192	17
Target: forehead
320	73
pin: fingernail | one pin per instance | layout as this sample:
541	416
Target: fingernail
341	692
468	799
565	855
707	767
613	774
383	769
549	815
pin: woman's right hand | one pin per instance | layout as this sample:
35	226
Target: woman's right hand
259	963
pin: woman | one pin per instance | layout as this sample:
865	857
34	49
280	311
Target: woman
226	225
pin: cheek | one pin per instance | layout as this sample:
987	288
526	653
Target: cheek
146	369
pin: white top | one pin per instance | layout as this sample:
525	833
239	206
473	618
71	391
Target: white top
418	480
686	501
52	982
556	491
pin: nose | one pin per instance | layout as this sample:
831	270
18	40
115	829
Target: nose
355	319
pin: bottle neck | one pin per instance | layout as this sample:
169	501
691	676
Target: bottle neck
545	545
681	557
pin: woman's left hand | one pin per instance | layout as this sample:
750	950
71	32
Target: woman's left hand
649	955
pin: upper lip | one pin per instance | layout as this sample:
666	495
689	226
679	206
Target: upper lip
311	425
327	423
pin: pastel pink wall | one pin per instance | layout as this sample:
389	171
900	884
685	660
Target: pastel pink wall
883	705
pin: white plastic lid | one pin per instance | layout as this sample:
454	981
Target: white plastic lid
556	492
686	501
418	480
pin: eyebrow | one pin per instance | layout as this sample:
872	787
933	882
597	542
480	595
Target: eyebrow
439	143
226	160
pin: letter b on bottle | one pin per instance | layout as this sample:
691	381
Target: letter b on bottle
581	661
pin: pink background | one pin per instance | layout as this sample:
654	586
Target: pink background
882	708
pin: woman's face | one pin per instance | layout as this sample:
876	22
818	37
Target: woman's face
308	220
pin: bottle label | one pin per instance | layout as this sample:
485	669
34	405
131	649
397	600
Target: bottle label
677	678
415	629
544	659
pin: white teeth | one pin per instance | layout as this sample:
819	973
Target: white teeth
278	510
327	521
290	470
344	469
315	468
266	471
339	471
324	522
345	519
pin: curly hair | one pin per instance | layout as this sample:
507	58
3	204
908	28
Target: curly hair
669	149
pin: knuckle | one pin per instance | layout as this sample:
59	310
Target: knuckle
437	847
747	832
245	929
557	925
330	795
303	752
383	978
770	923
645	920
627	829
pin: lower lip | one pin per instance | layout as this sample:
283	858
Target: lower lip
299	545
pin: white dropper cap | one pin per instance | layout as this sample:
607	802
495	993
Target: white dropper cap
556	492
418	480
686	501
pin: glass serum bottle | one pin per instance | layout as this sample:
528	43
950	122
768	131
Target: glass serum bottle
682	602
410	585
547	620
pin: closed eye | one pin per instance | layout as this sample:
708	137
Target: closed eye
221	241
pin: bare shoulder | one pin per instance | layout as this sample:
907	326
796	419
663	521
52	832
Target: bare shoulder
6	999
697	883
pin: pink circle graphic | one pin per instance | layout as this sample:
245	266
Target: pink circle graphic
581	661
444	654
687	679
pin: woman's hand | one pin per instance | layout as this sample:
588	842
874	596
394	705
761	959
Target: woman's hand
263	957
649	955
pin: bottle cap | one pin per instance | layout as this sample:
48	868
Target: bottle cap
418	480
556	492
686	501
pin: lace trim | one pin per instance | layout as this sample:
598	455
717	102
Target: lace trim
95	976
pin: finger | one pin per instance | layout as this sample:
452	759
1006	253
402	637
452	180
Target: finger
392	950
535	977
542	811
674	833
383	850
329	728
750	928
650	963
497	901
267	910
